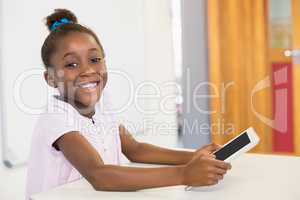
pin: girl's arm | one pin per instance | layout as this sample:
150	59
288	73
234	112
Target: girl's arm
148	153
202	170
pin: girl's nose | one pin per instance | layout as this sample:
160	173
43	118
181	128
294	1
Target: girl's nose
87	69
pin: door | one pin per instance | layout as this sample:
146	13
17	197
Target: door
254	69
284	58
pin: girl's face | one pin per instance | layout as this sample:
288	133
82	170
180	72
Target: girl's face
79	71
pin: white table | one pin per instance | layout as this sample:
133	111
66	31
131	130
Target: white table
252	177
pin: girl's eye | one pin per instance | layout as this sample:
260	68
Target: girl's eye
96	60
72	65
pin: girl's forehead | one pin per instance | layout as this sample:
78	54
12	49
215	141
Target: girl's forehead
77	42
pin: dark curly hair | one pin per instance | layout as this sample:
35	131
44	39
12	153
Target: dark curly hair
61	31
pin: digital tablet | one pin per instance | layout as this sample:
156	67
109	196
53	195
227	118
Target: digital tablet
238	145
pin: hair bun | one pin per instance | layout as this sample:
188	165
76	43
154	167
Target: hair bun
58	15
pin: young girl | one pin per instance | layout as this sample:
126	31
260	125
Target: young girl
75	138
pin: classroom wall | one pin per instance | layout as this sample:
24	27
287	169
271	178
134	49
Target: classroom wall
161	124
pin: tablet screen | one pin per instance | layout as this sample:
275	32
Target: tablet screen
232	147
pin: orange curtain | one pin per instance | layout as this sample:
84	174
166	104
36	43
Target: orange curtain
238	62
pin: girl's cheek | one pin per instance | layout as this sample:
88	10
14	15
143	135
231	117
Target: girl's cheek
69	75
104	77
60	73
60	77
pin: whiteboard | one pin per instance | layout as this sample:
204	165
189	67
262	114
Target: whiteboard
24	93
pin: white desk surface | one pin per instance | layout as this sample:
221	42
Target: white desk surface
252	177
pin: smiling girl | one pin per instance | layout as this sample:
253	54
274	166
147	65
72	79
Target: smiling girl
79	140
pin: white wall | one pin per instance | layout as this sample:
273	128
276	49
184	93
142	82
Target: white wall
161	126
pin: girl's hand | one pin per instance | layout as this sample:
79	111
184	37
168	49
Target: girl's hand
207	149
204	170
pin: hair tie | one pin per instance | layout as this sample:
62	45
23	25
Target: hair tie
60	22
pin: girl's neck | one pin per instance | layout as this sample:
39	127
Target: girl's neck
86	112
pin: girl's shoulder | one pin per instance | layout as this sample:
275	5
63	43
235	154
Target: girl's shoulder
58	118
56	113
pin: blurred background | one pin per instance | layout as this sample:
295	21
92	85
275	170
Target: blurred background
181	73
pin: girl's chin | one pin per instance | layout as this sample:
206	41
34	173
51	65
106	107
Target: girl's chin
88	102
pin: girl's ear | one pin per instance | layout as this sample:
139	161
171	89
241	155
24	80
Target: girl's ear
49	77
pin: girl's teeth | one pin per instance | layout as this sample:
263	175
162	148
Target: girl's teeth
88	85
